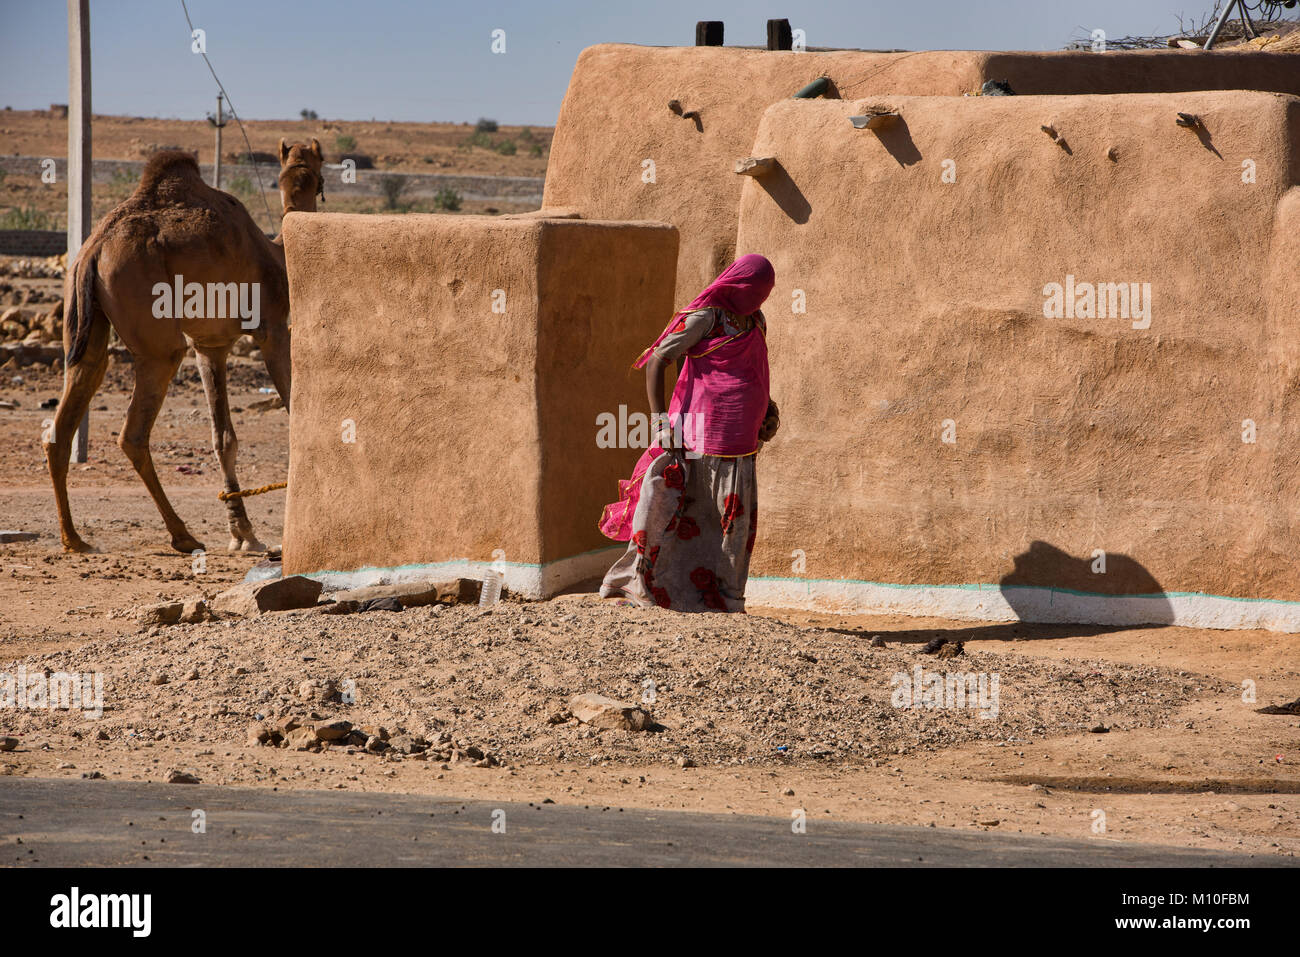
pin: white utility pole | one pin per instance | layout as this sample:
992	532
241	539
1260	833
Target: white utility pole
79	170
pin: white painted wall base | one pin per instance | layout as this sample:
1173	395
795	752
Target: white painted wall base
1032	604
957	602
521	578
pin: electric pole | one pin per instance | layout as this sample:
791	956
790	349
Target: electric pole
218	122
79	168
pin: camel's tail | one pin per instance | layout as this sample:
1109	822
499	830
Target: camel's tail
79	310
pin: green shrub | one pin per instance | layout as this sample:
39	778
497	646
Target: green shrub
485	126
392	186
345	142
27	217
447	199
506	148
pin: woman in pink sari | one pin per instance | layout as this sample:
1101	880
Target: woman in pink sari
690	511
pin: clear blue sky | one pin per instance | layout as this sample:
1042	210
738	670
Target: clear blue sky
431	60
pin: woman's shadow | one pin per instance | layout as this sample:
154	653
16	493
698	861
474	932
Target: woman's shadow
1048	586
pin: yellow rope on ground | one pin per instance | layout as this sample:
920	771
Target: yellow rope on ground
227	496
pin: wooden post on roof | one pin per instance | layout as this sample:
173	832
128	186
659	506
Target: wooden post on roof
779	35
708	33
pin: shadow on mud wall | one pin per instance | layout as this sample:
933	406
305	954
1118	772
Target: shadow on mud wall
1045	576
1110	574
786	193
1206	139
1046	580
897	139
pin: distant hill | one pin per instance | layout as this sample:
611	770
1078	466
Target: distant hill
405	147
441	149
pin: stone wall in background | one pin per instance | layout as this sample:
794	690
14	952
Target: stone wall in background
505	189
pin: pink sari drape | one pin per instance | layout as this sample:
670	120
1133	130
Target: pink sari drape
722	392
720	401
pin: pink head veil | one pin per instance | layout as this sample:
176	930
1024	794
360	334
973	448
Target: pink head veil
740	289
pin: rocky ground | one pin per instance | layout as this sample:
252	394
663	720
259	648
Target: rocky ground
723	691
1138	734
31	317
31	311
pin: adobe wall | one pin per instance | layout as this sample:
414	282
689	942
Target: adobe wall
925	304
615	116
477	432
1071	72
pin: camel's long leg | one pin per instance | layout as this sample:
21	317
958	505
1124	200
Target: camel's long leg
152	376
79	386
275	352
212	370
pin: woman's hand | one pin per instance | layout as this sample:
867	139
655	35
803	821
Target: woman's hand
664	435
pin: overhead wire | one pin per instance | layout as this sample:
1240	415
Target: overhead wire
220	86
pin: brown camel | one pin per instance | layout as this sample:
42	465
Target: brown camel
127	275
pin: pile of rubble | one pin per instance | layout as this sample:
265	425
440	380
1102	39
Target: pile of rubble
307	728
26	324
30	351
31	315
570	682
49	267
298	593
317	733
31	326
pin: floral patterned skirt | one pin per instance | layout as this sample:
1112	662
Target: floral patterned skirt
692	535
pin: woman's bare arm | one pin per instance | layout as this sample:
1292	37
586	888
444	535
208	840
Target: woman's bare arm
654	383
654	390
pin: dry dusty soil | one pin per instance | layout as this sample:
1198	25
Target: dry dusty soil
764	714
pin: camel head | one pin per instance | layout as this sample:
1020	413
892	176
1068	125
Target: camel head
301	180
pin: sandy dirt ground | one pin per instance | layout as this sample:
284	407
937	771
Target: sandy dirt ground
765	714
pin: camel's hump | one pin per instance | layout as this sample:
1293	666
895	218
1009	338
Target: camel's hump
168	163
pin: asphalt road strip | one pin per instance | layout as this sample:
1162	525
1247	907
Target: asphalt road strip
89	823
